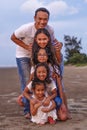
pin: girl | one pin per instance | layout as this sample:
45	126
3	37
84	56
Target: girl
41	114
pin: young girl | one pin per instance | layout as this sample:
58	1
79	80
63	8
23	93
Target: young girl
41	114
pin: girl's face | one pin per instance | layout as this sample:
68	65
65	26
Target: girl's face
41	73
42	40
42	56
39	91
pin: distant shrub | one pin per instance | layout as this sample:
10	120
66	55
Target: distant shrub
77	58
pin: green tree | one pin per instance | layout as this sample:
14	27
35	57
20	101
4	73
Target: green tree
78	58
72	46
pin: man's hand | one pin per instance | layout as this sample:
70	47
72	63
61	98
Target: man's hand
30	47
58	45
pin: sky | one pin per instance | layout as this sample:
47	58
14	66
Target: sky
67	17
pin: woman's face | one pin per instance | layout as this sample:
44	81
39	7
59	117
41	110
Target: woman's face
41	73
42	40
42	56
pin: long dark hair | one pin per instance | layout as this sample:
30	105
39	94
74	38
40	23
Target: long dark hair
49	48
51	59
47	79
35	44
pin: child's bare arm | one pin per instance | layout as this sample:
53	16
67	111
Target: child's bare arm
50	97
48	109
26	93
34	107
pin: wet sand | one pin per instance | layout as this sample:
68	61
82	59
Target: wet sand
11	115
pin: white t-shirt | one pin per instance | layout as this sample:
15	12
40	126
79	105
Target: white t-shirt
26	33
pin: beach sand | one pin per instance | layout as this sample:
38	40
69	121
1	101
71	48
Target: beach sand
11	115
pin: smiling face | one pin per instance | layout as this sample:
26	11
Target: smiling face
41	73
42	40
39	91
41	19
42	56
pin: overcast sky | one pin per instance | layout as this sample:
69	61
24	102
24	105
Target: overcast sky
68	17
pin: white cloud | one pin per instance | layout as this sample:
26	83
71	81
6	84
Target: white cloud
61	8
31	6
55	7
85	1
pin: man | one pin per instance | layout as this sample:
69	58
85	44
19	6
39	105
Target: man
23	37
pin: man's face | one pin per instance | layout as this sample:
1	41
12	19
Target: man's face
41	19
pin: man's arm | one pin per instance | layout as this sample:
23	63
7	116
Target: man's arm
21	43
58	46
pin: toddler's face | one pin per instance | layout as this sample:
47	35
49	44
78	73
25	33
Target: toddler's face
39	91
42	40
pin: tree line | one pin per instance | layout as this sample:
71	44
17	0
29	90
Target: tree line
73	53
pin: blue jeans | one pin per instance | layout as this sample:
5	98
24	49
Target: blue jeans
62	71
62	66
58	102
24	67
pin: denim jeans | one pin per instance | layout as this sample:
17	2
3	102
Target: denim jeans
24	67
62	71
58	102
62	66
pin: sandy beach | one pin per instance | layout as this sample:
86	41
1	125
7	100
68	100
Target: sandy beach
11	115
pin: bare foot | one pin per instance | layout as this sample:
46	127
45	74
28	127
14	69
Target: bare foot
27	116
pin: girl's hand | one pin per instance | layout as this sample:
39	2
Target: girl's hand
37	105
45	110
46	102
54	75
33	100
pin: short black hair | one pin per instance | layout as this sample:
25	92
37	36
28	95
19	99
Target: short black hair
42	9
34	83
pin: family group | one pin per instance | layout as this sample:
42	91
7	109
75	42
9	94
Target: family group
40	67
